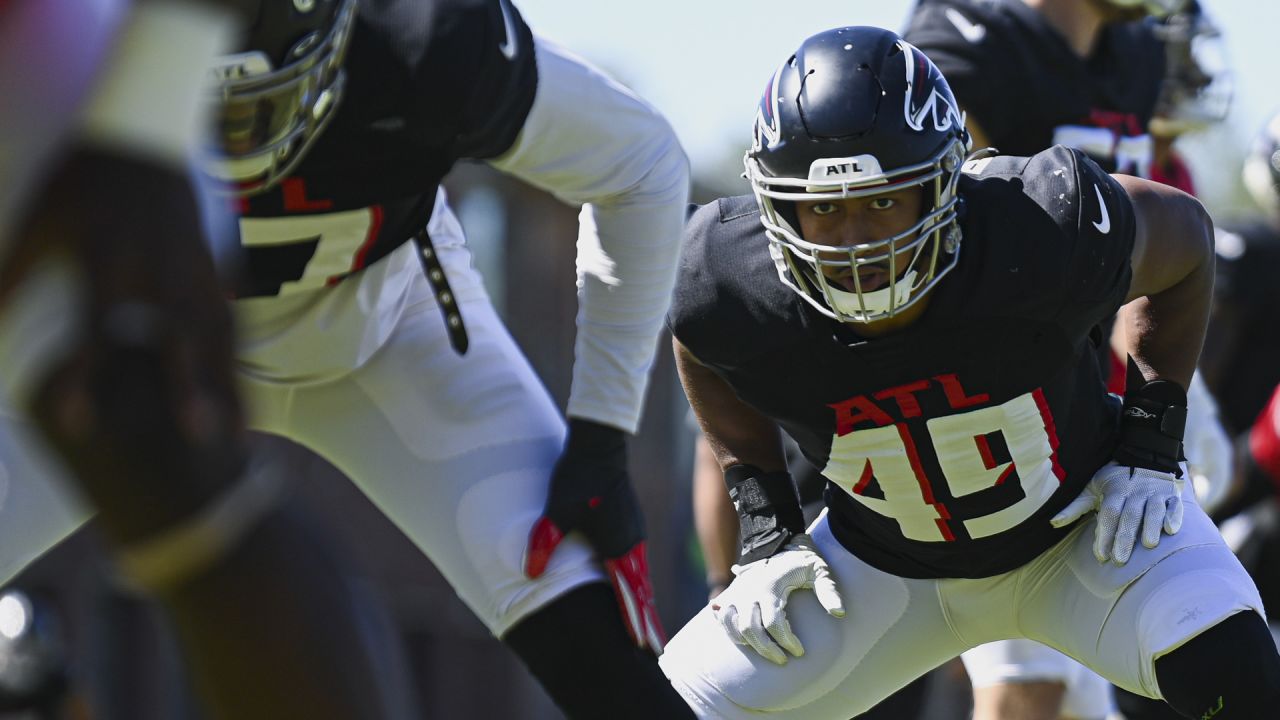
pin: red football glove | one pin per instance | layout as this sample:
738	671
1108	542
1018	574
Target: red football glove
591	493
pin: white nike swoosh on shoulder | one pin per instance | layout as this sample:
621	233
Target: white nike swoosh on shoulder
973	32
1104	227
508	46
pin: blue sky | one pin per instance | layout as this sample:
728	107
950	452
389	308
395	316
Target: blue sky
704	62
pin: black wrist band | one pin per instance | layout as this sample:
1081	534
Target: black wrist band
768	510
1151	426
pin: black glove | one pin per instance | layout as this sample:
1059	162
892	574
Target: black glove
591	492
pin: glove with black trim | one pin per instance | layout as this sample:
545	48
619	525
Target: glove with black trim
777	559
1141	488
591	493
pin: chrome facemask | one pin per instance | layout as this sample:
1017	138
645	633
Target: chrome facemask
266	118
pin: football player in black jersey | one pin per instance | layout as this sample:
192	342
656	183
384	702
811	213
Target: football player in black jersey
922	326
1087	78
366	335
1241	364
115	335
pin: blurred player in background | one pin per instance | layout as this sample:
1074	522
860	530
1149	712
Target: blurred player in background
1242	358
115	337
366	335
1241	363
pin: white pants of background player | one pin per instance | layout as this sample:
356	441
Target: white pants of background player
1086	696
1115	620
456	450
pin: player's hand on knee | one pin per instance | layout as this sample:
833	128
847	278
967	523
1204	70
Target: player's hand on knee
1140	490
591	492
752	610
1128	500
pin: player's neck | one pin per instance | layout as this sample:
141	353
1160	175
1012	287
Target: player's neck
1076	20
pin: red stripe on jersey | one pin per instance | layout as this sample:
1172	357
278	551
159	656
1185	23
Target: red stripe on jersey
375	226
1005	475
1116	374
1264	439
942	523
926	490
1051	429
357	261
984	449
867	474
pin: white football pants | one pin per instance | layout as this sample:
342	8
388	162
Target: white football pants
456	450
1114	620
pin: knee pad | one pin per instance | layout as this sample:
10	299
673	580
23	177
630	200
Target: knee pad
1229	672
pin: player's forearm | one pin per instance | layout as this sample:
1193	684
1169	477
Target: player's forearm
714	518
1165	331
736	433
1172	284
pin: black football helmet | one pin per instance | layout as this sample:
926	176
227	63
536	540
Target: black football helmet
855	112
1262	168
277	94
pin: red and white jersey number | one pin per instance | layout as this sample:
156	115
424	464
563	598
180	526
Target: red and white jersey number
962	443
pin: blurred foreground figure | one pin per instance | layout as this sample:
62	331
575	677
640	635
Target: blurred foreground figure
115	337
365	333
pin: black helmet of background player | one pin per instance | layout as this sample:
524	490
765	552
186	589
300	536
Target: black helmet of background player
1262	168
857	112
276	96
1197	87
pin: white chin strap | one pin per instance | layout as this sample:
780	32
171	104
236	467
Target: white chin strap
874	302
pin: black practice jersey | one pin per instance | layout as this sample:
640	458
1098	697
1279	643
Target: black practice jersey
950	444
1021	82
1241	356
428	82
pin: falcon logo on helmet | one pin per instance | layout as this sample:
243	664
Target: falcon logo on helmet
938	106
767	114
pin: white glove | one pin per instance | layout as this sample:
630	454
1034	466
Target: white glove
752	608
1209	450
1127	498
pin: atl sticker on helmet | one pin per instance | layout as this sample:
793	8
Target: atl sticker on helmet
859	168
